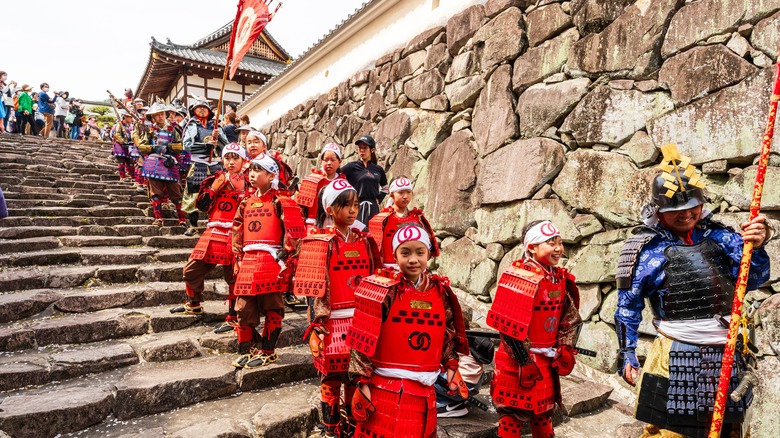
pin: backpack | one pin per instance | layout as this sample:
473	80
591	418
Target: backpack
16	103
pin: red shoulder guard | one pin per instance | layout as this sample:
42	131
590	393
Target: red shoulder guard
461	342
373	247
363	334
512	306
310	187
292	218
376	226
311	275
435	252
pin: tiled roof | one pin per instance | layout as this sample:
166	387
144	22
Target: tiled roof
225	30
217	58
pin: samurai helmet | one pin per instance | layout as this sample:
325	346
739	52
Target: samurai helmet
157	107
679	187
201	101
123	114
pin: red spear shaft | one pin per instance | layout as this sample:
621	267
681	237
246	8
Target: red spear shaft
744	267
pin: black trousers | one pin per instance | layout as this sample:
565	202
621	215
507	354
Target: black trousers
24	120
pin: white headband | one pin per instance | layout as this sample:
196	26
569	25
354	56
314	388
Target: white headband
259	135
234	148
539	233
397	185
411	233
333	190
269	164
332	147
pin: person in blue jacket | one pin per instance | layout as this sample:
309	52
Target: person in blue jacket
684	263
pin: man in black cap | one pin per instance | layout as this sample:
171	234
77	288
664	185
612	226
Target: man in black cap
368	178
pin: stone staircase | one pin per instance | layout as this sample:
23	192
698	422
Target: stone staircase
88	346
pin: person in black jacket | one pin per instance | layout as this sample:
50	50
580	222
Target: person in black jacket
368	178
75	126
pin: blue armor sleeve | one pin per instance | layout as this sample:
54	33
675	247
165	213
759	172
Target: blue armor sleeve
190	134
732	242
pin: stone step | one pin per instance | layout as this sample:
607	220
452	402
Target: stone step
101	255
43	258
287	411
84	241
294	324
179	241
34	367
77	203
8	246
57	277
33	195
16	306
26	232
72	211
77	221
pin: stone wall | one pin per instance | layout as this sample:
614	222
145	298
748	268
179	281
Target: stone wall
519	110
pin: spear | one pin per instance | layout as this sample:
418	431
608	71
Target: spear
744	267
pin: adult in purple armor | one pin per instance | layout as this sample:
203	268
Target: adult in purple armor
162	142
122	136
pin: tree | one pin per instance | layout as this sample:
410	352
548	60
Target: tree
105	115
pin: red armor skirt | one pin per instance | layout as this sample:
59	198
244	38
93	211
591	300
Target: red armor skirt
506	391
404	409
259	274
214	247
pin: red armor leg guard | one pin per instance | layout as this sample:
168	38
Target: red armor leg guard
156	207
120	167
541	426
330	390
244	333
190	293
130	169
271	330
509	427
182	215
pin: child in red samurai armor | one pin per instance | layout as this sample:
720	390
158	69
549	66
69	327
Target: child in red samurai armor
265	228
331	264
535	310
311	185
408	327
219	196
382	226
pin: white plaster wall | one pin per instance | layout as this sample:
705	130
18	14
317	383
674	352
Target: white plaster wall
386	26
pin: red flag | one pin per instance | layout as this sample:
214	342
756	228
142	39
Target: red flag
251	19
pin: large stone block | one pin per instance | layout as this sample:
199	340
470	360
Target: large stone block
609	116
495	121
739	189
769	313
544	105
451	171
422	40
424	86
468	266
433	128
464	92
609	306
766	404
594	15
590	300
700	20
504	224
463	25
629	45
640	149
726	125
541	159
544	60
594	263
392	132
607	185
462	65
598	336
546	22
701	70
766	35
503	38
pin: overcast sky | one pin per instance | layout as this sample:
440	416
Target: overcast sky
88	46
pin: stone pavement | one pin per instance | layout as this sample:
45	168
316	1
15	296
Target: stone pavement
89	348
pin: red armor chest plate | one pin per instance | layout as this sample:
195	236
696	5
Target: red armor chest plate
224	206
547	311
412	337
261	224
309	192
512	306
348	265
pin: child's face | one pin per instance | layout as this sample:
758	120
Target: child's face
255	146
260	179
548	253
330	162
402	198
232	162
412	258
346	215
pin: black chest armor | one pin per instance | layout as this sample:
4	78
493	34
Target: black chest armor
698	283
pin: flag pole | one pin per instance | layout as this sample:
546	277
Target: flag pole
744	267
